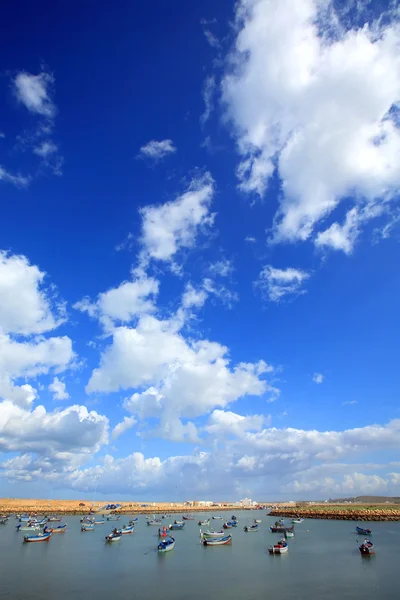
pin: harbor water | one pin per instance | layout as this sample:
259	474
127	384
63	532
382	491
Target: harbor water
323	562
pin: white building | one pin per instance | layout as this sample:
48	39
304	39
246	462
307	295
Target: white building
248	502
204	502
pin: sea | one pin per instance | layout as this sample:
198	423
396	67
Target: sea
323	563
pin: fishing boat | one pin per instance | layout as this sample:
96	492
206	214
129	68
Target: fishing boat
227	525
280	548
280	527
86	519
114	537
166	545
216	517
212	534
163	532
178	522
99	522
40	537
132	521
249	528
188	517
3	521
204	523
257	521
363	531
113	518
366	547
233	518
54	519
298	520
87	527
177	526
59	529
125	530
156	522
28	527
25	519
222	541
289	534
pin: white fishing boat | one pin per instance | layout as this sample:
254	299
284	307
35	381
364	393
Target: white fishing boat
212	534
280	548
221	541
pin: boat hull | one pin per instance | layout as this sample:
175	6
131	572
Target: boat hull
362	531
37	538
166	547
218	541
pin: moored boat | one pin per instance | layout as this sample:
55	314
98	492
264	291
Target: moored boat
133	521
59	529
227	525
204	523
221	541
28	527
216	517
54	519
177	526
40	537
250	528
114	537
87	527
113	518
188	517
125	530
212	534
298	520
99	522
366	547
280	548
289	534
363	531
162	533
156	522
166	545
257	521
280	527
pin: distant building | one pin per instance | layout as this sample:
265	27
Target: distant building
248	502
205	503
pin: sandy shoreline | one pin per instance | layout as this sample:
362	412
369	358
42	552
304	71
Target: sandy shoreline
378	512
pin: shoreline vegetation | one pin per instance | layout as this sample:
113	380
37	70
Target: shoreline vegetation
346	512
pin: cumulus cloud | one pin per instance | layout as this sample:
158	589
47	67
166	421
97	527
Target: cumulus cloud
313	100
58	389
221	268
173	226
120	428
157	150
276	284
25	307
318	378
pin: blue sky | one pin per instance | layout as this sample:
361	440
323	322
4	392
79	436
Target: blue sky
199	234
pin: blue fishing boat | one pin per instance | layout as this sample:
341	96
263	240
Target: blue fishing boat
40	537
132	521
125	530
58	529
177	526
87	527
363	531
166	545
114	536
250	528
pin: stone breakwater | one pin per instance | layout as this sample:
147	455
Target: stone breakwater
335	513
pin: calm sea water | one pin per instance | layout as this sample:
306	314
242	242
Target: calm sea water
323	562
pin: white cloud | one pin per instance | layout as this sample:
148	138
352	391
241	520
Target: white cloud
318	378
223	422
349	402
211	39
276	284
209	89
312	101
123	426
174	225
17	180
123	303
45	148
193	297
39	356
225	295
2	135
58	389
186	378
25	308
222	268
69	435
157	150
250	239
35	93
